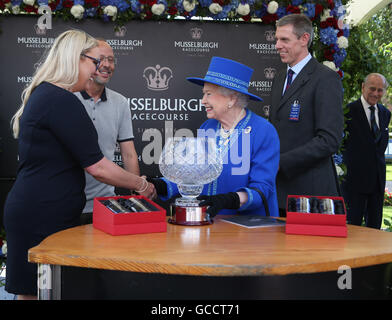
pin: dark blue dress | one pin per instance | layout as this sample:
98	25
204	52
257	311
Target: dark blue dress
56	141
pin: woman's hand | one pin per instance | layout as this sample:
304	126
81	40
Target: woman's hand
147	189
230	200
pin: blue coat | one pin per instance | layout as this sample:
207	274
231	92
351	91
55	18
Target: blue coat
255	165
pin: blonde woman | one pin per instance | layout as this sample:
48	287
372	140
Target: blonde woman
57	140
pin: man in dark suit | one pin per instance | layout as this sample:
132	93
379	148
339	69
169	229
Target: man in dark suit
307	113
364	149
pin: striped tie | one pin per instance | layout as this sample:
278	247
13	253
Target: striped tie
290	74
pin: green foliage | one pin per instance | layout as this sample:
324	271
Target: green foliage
370	50
388	224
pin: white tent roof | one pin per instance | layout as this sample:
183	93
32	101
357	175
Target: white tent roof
360	11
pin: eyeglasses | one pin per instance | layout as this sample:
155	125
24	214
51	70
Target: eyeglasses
110	59
96	61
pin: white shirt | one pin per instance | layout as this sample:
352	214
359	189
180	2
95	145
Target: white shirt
366	106
297	69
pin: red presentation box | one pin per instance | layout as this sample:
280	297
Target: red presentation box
316	224
128	223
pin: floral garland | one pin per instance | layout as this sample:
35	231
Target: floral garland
327	15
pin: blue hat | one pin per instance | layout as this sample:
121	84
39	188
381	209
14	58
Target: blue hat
229	74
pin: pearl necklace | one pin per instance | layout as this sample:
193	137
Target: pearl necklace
225	134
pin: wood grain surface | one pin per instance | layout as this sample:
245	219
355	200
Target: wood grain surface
220	249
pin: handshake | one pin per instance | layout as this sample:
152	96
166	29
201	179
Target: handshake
215	203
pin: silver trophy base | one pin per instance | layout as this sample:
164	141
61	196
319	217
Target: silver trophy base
189	213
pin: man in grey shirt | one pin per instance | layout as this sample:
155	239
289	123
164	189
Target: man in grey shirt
111	116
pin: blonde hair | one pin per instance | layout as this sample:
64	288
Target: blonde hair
60	65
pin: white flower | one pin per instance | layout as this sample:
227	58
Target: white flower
342	42
331	65
158	9
189	6
4	248
325	15
243	9
272	7
29	2
110	11
15	9
77	11
339	170
215	8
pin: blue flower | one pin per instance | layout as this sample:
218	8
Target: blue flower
81	2
339	57
16	2
225	10
310	10
91	12
205	3
262	12
281	12
42	2
338	159
328	36
122	5
136	6
296	2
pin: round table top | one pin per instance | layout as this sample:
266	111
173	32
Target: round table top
220	249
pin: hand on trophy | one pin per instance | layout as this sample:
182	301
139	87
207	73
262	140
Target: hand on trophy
230	200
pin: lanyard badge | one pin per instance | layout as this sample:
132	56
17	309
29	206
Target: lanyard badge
295	111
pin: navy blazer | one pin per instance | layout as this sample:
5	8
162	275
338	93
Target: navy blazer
364	158
307	145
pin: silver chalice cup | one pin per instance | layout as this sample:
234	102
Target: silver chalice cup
190	163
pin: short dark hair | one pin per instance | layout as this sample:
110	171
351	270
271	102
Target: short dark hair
301	24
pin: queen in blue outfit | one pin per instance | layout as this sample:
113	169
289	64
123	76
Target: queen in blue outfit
248	143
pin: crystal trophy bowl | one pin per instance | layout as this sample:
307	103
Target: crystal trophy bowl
190	163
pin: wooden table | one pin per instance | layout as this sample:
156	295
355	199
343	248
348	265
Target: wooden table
221	250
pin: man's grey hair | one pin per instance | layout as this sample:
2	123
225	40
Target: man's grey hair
301	24
384	80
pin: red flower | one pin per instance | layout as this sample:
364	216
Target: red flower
269	18
3	3
318	9
148	15
328	53
340	72
332	22
91	3
172	10
293	9
247	17
30	9
53	5
331	4
149	3
68	3
221	2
